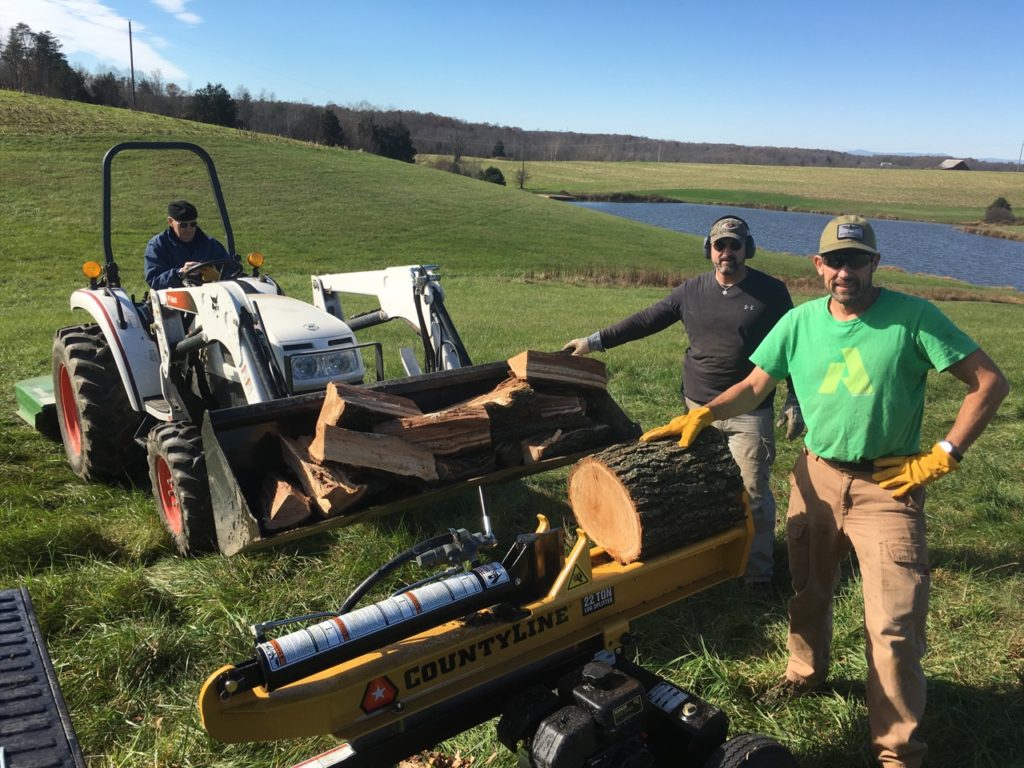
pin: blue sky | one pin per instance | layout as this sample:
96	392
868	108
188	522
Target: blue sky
897	76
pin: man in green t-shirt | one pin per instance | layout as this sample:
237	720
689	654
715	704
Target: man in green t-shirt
858	359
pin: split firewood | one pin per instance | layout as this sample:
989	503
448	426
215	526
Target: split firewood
453	468
285	505
354	407
462	429
559	368
509	453
364	449
503	394
564	442
330	488
562	411
639	500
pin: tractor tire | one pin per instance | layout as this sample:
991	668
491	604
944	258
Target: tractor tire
96	421
751	750
177	470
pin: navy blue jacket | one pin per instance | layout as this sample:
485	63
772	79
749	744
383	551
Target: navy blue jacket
166	254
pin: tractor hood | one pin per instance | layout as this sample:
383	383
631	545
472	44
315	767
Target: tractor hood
311	347
288	321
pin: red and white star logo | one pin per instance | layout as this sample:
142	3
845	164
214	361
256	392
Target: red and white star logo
380	692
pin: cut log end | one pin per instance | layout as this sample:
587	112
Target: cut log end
641	500
605	510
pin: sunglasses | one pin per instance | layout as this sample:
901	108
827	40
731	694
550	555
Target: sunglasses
727	243
188	224
854	260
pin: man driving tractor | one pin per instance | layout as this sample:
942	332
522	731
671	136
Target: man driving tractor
180	249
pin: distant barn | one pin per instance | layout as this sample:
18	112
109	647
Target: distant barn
954	165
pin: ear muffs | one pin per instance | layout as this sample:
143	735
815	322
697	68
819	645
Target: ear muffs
751	248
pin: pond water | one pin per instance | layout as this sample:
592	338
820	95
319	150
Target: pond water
914	246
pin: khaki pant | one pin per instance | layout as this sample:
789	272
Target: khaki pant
751	439
831	510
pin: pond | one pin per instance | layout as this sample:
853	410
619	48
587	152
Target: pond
914	246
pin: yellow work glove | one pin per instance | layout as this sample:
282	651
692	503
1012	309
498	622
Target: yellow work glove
685	427
210	274
902	474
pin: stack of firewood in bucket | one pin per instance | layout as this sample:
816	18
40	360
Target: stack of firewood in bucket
370	445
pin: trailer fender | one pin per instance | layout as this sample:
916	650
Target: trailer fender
135	352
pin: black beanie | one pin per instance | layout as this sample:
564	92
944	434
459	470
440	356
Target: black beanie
182	210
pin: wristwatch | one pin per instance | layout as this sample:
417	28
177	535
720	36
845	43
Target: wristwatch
951	449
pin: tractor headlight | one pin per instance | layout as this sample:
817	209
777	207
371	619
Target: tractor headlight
323	365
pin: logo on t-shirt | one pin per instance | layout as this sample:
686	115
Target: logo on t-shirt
851	373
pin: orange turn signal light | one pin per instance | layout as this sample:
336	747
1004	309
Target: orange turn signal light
92	270
255	259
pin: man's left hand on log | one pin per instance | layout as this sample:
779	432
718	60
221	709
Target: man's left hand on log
685	427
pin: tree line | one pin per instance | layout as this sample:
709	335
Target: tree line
33	62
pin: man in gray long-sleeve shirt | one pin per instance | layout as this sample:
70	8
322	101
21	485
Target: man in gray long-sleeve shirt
726	313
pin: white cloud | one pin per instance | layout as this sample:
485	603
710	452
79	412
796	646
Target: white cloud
177	9
90	27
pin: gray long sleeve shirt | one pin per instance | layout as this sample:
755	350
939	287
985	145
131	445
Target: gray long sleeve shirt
724	326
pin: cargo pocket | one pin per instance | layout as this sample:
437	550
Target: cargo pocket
798	545
906	580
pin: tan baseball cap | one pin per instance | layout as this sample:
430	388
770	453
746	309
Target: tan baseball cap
848	233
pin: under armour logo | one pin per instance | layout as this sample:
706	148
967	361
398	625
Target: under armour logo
749	307
851	373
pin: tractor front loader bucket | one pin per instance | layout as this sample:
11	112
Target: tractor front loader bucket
240	445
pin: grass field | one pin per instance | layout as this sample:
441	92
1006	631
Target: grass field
925	195
134	630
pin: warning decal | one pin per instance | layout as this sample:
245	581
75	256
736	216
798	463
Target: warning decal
578	578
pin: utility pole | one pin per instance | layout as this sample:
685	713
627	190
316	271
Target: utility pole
522	169
1019	154
131	59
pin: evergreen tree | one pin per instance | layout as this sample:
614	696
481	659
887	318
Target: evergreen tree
499	149
392	140
331	132
493	175
213	104
14	61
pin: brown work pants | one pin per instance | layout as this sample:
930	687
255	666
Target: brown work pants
833	508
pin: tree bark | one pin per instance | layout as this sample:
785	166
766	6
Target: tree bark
563	442
559	368
462	429
639	500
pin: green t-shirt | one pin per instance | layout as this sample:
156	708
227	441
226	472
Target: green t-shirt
861	383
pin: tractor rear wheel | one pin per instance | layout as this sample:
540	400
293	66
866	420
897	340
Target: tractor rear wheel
751	750
97	423
177	470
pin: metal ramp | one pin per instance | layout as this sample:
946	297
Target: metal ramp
35	729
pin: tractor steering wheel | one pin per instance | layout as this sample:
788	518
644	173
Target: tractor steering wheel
194	274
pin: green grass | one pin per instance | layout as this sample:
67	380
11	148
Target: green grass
134	630
926	195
